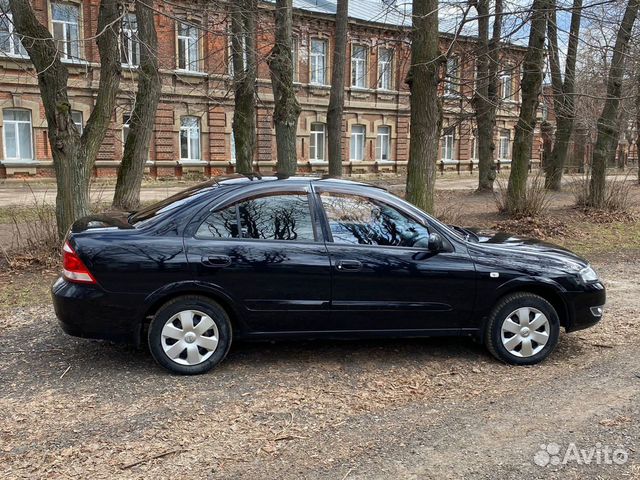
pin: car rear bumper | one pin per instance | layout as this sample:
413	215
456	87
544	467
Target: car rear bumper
90	312
583	307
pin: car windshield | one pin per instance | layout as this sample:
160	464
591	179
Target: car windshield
172	202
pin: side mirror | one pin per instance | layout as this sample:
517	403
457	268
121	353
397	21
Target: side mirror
435	243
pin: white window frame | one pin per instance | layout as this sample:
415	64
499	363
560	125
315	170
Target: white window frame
68	52
383	142
359	65
452	82
474	145
130	44
12	37
357	144
79	124
318	62
185	42
16	123
294	57
317	136
504	145
232	148
448	150
385	68
506	83
188	129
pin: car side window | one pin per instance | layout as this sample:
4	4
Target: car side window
364	221
281	216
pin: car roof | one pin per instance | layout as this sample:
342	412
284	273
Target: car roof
239	179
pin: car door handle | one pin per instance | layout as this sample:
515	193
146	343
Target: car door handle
216	261
349	265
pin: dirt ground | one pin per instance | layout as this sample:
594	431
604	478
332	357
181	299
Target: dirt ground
414	409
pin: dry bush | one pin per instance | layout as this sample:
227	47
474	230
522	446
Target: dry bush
35	236
617	194
535	202
449	214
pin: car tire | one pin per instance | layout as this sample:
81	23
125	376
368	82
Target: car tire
522	329
190	335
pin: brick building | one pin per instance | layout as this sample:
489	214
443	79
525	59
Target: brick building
193	122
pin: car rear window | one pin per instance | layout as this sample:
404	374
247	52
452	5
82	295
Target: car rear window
171	203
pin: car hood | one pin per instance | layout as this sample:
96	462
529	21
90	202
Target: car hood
546	254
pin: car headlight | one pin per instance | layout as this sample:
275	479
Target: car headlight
588	275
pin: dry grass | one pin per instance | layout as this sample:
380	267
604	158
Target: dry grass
617	193
536	199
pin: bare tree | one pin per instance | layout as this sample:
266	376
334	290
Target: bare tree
426	109
243	45
638	118
531	88
73	154
136	147
485	99
606	141
287	108
336	99
563	94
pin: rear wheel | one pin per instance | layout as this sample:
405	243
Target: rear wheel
523	329
190	335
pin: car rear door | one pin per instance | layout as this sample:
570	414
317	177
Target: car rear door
384	276
265	251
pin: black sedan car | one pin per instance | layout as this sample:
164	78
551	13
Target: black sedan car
252	258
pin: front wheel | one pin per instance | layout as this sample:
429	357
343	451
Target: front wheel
523	329
190	335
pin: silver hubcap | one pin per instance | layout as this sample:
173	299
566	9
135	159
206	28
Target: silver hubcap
525	332
189	337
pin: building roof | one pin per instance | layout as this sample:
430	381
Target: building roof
388	12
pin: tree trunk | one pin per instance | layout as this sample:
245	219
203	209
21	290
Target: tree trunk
485	100
336	99
563	95
287	108
531	88
606	141
426	111
73	155
136	147
243	43
638	120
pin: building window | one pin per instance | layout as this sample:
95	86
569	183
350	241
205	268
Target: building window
78	120
294	57
385	68
10	43
243	44
232	147
358	135
188	47
452	83
130	43
317	142
65	18
383	143
506	83
504	152
18	140
474	144
190	139
448	144
126	123
318	62
358	66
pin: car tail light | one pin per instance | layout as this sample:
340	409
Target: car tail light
73	269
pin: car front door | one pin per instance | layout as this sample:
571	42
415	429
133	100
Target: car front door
384	275
265	251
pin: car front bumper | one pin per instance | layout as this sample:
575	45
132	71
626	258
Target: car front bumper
88	311
586	308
